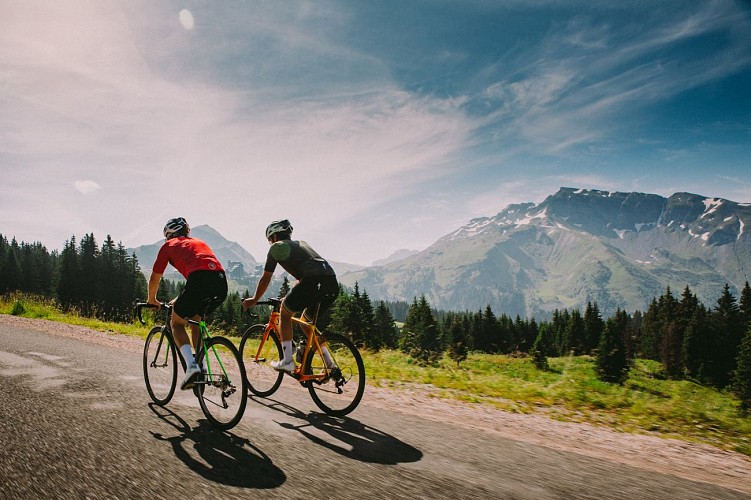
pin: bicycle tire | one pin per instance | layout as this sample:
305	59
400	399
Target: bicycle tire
342	391
262	379
160	366
223	394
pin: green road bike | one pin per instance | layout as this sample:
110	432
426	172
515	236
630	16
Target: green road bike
221	390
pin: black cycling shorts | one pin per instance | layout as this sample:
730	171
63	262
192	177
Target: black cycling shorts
203	288
305	293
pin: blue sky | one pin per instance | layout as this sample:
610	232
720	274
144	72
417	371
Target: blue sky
372	126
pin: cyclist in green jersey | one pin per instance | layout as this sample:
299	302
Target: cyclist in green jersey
316	280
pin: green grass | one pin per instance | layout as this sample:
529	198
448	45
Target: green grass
569	391
32	307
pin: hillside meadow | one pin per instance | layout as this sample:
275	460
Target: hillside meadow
646	403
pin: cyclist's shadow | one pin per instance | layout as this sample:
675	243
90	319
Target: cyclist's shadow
227	458
353	438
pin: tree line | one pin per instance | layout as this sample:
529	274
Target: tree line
92	280
711	346
690	340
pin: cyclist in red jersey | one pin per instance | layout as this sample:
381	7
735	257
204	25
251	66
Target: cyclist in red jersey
205	281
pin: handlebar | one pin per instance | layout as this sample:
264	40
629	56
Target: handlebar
275	302
139	308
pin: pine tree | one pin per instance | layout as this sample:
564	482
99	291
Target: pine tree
696	344
742	372
458	340
648	343
573	334
89	281
370	336
487	336
539	349
611	362
384	324
411	330
10	272
745	304
671	350
68	275
632	338
728	330
420	334
529	335
284	288
108	286
518	336
560	322
352	315
593	326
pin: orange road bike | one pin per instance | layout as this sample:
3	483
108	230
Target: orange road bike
328	364
220	390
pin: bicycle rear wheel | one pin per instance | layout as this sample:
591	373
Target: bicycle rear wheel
262	379
341	389
159	366
221	392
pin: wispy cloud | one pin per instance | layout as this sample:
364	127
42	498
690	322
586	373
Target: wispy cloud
564	98
86	187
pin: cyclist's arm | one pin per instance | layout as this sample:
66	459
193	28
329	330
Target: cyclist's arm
154	280
263	284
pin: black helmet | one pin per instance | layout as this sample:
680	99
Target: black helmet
278	226
176	227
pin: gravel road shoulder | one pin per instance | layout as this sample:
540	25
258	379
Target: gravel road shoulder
683	459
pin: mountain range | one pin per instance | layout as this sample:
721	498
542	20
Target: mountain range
617	249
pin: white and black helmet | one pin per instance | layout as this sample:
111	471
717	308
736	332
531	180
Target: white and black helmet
176	227
278	226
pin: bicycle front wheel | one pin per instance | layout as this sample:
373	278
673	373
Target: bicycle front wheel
263	380
159	366
221	392
339	365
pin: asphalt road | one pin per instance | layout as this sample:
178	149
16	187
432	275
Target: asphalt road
76	422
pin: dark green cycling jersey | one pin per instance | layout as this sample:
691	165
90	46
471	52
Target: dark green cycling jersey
298	259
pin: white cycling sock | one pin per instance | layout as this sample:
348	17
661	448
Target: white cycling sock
187	353
287	348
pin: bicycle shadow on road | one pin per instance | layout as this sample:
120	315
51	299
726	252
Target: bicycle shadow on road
346	436
221	457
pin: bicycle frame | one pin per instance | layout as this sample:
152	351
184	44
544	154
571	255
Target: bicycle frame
205	336
201	349
312	342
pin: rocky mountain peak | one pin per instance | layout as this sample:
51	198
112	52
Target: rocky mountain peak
617	248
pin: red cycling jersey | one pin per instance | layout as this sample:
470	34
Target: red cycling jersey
186	255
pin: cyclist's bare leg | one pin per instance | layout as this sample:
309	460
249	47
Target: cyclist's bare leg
285	323
195	331
181	335
285	327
